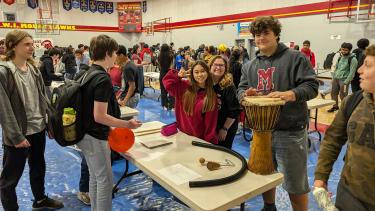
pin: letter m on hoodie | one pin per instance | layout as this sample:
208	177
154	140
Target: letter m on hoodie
265	79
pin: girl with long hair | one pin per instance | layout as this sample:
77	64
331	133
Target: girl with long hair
196	102
165	61
230	109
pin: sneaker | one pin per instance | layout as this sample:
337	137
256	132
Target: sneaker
333	109
84	197
47	203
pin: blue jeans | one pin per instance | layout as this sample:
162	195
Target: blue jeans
290	150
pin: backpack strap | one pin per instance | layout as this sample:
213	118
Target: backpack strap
349	59
353	101
88	76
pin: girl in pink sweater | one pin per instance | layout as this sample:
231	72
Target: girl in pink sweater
196	102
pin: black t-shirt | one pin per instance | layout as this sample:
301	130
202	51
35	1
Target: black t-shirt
130	71
230	107
98	89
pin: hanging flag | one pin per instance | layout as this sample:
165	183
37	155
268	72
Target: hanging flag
9	2
32	3
92	5
101	6
75	4
67	4
84	5
109	7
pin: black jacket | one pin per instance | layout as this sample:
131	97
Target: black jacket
70	63
47	69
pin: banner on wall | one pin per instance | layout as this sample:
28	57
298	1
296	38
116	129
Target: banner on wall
84	5
75	4
67	4
9	2
101	6
130	16
243	29
109	7
32	3
43	43
92	6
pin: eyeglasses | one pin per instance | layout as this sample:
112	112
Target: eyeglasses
219	65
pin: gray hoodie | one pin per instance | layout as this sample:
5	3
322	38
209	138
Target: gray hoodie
285	70
13	117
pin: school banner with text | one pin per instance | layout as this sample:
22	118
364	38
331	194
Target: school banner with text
130	16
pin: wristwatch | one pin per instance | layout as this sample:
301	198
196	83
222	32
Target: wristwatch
224	128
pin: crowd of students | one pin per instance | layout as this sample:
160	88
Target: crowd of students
204	87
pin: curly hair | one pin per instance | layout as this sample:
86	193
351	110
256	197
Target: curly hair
370	51
264	23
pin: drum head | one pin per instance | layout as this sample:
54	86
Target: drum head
262	101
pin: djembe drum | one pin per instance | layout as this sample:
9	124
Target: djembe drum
262	114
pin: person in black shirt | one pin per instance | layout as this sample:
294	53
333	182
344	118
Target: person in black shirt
235	66
165	61
130	95
101	112
70	63
230	109
47	69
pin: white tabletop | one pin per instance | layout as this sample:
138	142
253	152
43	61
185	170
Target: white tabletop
128	112
318	103
154	161
326	74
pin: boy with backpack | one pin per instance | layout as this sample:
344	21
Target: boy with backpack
101	112
343	74
22	117
354	125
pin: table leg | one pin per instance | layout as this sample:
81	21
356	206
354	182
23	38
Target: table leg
316	125
242	208
126	174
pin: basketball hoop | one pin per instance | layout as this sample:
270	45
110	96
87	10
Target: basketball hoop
46	27
149	29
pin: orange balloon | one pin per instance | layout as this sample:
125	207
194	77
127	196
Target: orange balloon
121	139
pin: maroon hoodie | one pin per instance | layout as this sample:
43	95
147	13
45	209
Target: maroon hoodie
201	125
310	56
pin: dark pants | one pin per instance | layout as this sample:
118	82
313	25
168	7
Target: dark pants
228	142
346	201
85	176
141	80
338	87
355	85
166	100
13	165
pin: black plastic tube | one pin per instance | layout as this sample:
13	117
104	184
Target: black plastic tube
220	181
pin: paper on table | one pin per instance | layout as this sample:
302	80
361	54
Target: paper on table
149	126
152	156
179	174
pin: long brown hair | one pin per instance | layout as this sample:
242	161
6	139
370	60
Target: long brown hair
12	39
227	78
191	93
